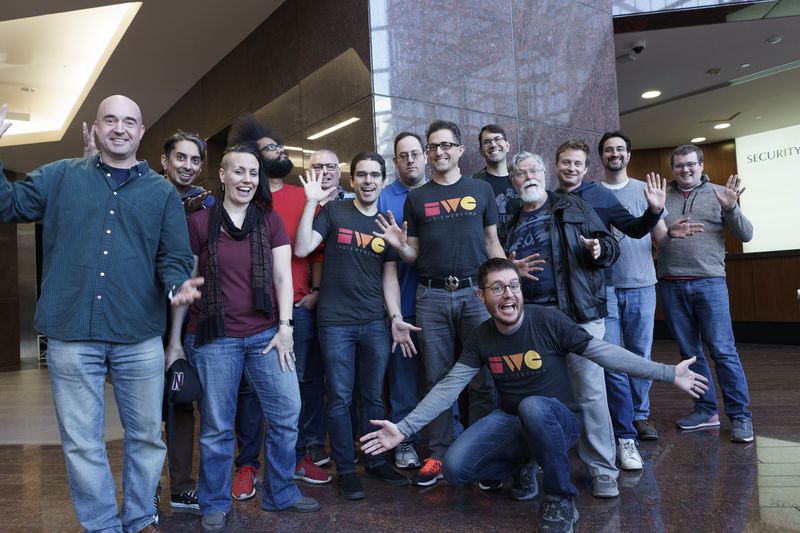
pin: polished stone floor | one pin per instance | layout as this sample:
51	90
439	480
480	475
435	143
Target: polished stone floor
696	481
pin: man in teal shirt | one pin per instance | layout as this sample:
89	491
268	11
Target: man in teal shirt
115	244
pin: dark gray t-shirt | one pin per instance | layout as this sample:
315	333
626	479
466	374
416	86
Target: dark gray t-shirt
530	361
449	222
505	198
531	235
351	291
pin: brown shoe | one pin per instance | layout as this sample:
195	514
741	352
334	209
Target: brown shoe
645	430
149	528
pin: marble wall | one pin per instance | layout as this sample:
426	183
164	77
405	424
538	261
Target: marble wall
542	69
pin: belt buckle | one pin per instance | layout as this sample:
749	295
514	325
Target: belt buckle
451	283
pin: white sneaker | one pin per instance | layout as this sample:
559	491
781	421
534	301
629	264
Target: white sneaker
405	456
629	458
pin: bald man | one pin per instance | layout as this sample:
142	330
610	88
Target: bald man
115	244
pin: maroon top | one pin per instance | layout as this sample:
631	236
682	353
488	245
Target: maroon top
235	275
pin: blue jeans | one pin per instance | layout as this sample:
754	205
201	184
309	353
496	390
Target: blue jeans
219	365
629	324
77	373
310	374
496	446
446	315
698	311
339	345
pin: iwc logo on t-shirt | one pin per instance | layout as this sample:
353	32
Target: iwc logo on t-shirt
451	208
518	364
363	242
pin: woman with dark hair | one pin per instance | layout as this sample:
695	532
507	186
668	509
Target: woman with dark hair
243	323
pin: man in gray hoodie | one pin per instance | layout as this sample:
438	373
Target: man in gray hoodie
693	292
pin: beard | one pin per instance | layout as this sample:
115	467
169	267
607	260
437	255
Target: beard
279	168
532	195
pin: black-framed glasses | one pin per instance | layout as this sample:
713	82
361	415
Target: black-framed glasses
493	140
363	175
271	147
690	165
330	167
432	147
498	288
405	156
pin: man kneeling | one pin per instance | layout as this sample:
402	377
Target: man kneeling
524	347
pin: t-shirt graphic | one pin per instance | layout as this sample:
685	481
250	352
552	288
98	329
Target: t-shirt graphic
351	291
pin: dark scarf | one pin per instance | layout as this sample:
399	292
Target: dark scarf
211	323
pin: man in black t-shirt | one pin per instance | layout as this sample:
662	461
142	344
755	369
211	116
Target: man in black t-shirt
524	347
359	278
494	148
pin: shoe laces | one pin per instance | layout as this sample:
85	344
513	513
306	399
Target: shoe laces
554	511
431	466
524	478
628	448
404	447
246	472
190	493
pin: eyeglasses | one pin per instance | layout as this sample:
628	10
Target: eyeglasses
524	172
330	167
432	147
498	288
271	147
405	156
363	175
493	140
690	165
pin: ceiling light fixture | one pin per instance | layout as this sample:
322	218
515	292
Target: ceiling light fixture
775	39
333	128
757	117
651	94
744	65
298	149
722	125
697	140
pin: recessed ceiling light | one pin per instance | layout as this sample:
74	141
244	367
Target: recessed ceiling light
333	128
757	117
775	39
697	140
722	125
744	65
28	89
651	94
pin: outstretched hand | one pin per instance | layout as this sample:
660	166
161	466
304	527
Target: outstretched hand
312	186
401	336
655	192
529	264
693	383
728	196
592	246
390	231
4	125
89	146
680	229
382	440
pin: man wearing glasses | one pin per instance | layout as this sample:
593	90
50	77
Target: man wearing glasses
327	162
691	274
409	160
449	230
524	346
494	149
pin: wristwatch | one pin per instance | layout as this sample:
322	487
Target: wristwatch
289	323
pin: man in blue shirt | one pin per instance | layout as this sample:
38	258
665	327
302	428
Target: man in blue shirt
115	244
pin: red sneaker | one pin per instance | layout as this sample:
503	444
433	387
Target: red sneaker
429	474
311	473
244	487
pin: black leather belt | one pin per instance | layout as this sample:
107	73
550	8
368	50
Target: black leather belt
450	283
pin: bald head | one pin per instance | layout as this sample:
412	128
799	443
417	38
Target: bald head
119	130
327	162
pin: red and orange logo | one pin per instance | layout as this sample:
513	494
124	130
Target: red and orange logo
452	205
530	360
363	240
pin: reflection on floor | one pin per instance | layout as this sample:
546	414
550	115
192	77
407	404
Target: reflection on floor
696	481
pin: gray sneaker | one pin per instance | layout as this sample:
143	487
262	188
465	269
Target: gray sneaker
558	514
215	522
699	420
405	456
525	486
741	430
604	486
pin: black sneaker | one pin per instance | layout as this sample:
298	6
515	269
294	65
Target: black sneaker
350	486
387	474
490	485
525	486
185	502
558	514
318	455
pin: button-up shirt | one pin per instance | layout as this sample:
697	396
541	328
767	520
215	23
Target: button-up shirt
112	253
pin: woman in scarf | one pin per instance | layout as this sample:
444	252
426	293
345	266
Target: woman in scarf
243	322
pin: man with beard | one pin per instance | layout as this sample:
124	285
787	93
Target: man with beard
524	346
632	300
288	201
494	149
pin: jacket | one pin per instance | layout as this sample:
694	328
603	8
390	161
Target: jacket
579	278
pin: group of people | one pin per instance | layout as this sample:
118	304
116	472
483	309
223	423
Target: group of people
294	305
